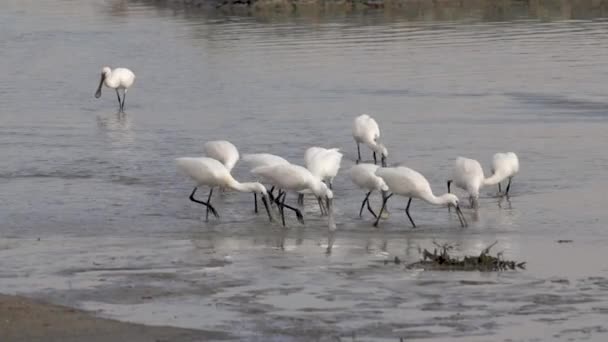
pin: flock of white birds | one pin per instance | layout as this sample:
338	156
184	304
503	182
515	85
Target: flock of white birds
322	166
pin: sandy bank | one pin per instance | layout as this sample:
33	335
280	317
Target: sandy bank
23	319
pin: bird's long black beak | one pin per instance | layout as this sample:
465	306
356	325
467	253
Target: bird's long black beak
463	221
265	201
383	161
98	92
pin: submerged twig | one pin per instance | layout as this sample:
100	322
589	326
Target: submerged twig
441	260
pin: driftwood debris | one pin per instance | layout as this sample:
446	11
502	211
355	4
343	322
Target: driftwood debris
442	261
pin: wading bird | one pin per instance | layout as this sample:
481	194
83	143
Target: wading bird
467	174
406	182
364	176
290	177
366	131
255	160
504	166
323	163
119	78
210	172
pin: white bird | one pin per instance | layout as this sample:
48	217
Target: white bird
467	174
406	182
364	176
504	165
223	151
366	131
119	78
255	160
210	172
290	177
323	163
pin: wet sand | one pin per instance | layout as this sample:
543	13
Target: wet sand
24	319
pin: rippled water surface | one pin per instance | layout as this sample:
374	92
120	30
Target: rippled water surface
94	214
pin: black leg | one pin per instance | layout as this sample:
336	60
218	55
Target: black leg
374	154
449	191
277	199
321	207
407	211
366	200
270	195
208	201
358	153
300	199
384	200
296	210
124	97
282	197
369	208
508	186
499	189
255	202
119	103
208	205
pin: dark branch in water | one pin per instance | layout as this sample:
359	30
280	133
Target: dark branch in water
442	261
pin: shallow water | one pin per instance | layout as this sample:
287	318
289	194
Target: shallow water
93	213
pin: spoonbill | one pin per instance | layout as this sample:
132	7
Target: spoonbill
364	176
119	78
255	160
323	163
406	182
504	165
290	177
467	174
366	131
210	172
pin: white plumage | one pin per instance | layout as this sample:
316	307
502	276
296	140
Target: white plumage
291	177
210	172
406	182
467	174
255	160
366	131
364	176
223	151
504	166
119	78
323	163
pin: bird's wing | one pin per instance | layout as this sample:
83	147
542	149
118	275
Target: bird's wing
373	130
286	176
404	181
222	150
466	168
263	159
310	153
202	170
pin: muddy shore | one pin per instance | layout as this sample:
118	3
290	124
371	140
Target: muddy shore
23	319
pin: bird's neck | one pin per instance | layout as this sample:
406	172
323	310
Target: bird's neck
317	187
110	80
493	179
241	187
437	200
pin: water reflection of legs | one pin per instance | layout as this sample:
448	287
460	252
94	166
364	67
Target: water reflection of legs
504	199
331	237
